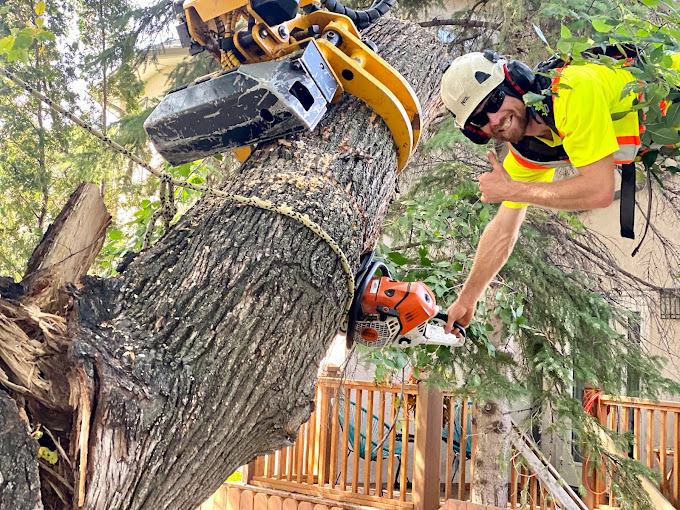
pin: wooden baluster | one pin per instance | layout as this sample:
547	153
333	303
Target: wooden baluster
637	433
403	481
344	451
524	482
357	439
390	458
300	453
323	427
463	448
311	445
369	444
473	441
601	474
291	462
650	438
513	481
334	441
541	503
613	425
259	466
533	493
449	448
625	418
676	458
281	464
662	453
379	440
269	462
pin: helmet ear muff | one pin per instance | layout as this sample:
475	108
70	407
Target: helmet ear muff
475	135
520	76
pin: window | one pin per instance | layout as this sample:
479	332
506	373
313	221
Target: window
669	303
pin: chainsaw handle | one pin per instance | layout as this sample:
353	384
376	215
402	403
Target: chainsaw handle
442	316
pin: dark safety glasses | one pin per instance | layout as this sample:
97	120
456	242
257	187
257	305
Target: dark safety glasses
493	103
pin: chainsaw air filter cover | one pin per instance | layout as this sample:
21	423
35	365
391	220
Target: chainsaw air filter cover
248	104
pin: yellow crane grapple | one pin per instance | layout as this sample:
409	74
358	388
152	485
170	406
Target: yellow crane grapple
283	62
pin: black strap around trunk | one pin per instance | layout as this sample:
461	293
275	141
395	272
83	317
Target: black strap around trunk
628	200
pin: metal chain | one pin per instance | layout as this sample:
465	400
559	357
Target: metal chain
168	209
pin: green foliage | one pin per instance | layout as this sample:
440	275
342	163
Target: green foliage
18	44
652	28
33	140
127	238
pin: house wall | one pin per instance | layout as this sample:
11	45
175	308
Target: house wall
155	72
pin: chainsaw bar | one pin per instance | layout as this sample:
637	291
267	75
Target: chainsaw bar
249	104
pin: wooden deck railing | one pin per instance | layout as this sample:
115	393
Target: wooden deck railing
428	456
426	459
656	431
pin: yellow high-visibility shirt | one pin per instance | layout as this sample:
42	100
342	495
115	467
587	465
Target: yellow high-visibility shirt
583	118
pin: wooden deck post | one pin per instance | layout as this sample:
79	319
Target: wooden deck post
427	448
589	479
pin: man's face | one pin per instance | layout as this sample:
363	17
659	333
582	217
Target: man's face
501	117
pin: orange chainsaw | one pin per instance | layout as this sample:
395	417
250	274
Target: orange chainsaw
386	312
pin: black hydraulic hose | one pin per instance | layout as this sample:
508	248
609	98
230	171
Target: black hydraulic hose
361	19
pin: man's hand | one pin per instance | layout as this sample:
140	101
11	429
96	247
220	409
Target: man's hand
495	185
460	313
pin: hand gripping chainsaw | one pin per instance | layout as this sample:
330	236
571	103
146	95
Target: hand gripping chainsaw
283	62
386	312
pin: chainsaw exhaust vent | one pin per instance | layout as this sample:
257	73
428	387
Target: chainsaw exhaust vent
249	104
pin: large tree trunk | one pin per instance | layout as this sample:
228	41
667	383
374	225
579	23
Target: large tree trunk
490	480
203	353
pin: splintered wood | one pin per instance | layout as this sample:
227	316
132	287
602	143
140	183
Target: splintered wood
67	250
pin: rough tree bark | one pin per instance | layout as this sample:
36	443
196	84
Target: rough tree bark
490	479
203	353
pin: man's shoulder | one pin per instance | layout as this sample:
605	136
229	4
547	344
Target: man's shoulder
591	71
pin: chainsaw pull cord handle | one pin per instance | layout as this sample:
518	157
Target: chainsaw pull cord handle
362	19
442	316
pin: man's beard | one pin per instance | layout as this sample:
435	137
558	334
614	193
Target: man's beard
517	128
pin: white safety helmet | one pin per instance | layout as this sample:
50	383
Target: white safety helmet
467	81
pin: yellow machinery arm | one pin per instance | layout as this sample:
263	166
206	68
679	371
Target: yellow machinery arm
240	32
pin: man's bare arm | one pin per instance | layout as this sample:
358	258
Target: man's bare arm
592	188
495	246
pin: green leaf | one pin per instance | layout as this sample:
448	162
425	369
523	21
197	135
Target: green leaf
565	32
563	46
484	215
115	234
44	36
532	98
18	54
663	135
183	170
601	24
40	8
23	40
619	115
398	258
6	44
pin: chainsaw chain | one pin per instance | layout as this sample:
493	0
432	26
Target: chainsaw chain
168	209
